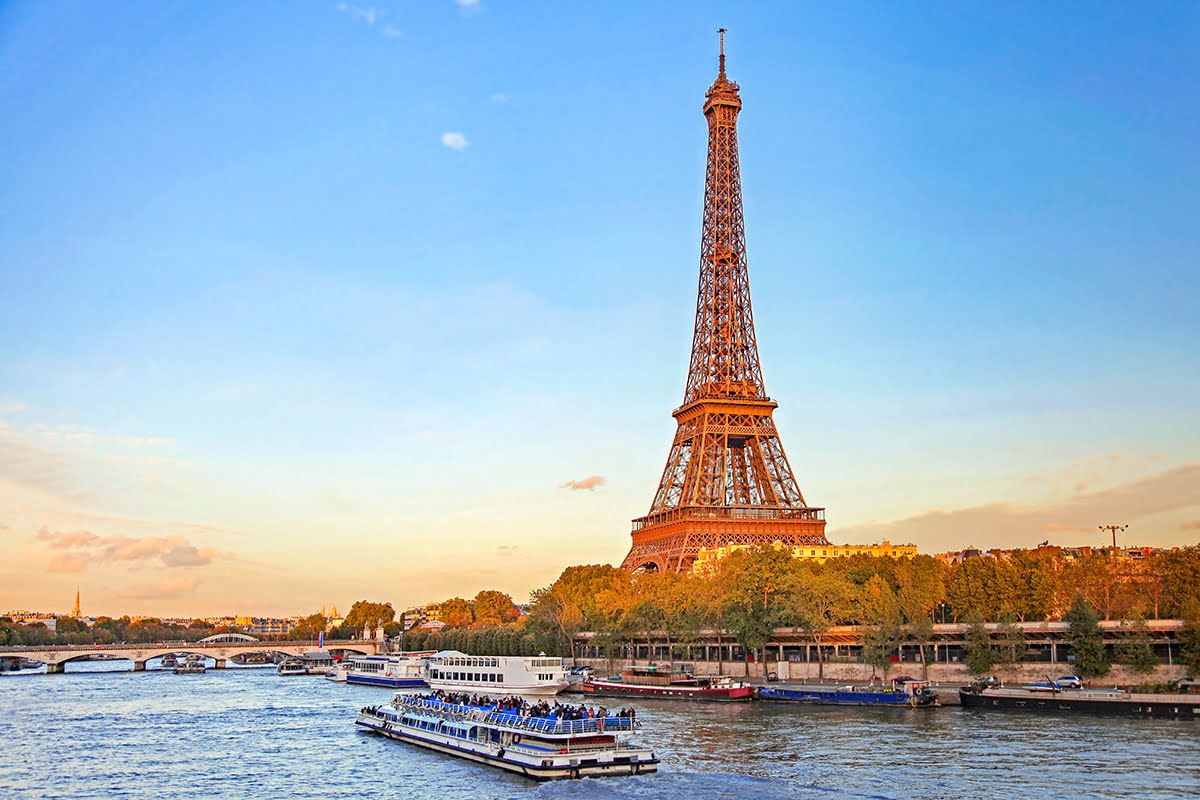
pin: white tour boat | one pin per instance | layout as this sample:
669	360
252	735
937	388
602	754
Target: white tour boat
452	671
291	666
397	671
545	747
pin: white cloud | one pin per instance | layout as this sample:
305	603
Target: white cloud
367	15
470	6
498	97
392	32
455	141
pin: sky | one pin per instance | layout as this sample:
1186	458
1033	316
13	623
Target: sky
305	303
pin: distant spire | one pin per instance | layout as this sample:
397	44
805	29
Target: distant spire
75	611
722	32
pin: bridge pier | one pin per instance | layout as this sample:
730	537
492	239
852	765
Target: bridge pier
139	666
220	663
54	669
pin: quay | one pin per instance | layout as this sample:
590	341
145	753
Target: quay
56	657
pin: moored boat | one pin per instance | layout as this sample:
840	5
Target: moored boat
169	660
505	734
666	683
901	694
193	665
291	666
452	671
399	671
1083	701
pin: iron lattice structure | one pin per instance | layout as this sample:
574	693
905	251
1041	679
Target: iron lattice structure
727	479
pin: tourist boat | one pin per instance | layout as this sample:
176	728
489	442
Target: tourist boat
542	748
398	671
453	671
169	660
1085	701
902	694
291	666
338	671
662	682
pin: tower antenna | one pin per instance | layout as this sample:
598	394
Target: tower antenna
722	32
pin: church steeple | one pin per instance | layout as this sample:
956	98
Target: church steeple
75	611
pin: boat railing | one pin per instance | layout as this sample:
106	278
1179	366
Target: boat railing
504	719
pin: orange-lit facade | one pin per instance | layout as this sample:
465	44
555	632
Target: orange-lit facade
727	480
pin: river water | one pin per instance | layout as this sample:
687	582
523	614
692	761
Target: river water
247	733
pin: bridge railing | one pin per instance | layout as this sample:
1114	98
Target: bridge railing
337	644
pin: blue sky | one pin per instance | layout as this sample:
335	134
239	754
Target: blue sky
301	303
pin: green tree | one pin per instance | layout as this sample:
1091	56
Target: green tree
752	583
1010	642
1135	649
981	655
308	628
818	602
880	617
1189	639
1086	640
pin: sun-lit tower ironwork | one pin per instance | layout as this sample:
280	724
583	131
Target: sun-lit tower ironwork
727	480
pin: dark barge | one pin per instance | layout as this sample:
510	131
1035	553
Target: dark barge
1084	701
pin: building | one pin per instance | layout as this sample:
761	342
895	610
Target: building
707	560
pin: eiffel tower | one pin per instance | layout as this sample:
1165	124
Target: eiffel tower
727	480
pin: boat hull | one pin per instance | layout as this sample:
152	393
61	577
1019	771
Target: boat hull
554	767
731	694
846	697
469	687
1175	706
382	680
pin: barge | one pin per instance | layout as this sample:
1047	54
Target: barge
1083	701
500	735
654	682
902	694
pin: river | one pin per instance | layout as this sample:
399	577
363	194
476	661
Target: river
97	732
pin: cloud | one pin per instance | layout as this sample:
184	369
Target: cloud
1193	525
498	97
506	550
87	547
1009	525
11	408
367	15
392	32
455	141
469	6
588	483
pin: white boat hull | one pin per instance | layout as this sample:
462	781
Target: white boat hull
473	687
538	765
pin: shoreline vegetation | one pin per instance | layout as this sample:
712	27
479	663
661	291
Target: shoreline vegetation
600	611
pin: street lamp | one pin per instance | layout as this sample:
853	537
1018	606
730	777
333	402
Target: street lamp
1113	529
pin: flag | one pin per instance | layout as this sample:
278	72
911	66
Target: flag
320	640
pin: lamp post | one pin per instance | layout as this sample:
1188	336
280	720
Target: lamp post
1113	529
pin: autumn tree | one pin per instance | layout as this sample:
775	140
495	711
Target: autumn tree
753	583
365	614
880	617
308	628
493	607
456	613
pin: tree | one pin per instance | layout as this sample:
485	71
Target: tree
456	613
981	656
1010	642
819	601
1189	640
365	614
1087	642
1135	648
752	583
493	607
308	628
880	616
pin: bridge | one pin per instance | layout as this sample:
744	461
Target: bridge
56	656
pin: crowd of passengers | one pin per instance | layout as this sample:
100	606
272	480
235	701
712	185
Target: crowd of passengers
522	707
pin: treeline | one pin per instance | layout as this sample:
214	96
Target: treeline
106	630
896	600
